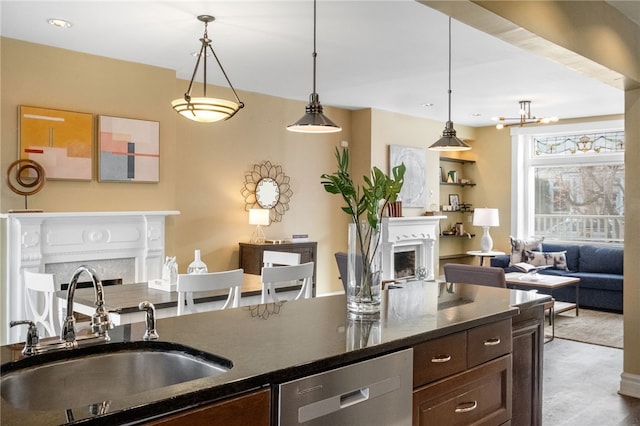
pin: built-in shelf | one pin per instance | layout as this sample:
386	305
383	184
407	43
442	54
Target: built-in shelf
457	160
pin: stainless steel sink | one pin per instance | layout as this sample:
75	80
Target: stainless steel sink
100	373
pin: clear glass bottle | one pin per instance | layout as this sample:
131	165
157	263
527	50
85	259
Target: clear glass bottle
197	266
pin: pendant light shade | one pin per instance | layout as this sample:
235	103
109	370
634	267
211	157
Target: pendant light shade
449	141
313	120
205	109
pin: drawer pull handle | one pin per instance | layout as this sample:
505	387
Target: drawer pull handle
492	342
441	358
465	407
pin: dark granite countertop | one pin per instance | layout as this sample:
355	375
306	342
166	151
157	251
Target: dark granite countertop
275	343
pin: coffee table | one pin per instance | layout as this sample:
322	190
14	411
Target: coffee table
549	282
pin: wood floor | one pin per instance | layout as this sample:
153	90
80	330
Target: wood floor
580	386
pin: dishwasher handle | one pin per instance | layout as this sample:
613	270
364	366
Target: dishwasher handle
349	399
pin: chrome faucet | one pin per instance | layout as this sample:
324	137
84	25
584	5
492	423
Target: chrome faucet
100	321
150	333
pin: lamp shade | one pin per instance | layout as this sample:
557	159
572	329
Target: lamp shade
205	110
486	217
259	217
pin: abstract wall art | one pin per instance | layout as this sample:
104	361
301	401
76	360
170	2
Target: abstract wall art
129	150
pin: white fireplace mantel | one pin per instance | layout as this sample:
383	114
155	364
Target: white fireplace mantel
34	240
419	233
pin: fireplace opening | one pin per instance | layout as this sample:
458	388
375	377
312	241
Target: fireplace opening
87	284
404	264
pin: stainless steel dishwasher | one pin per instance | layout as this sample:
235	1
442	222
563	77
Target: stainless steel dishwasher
372	392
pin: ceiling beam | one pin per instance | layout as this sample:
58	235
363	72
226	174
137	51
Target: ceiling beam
590	37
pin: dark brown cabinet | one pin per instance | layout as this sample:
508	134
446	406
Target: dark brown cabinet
464	378
250	255
248	409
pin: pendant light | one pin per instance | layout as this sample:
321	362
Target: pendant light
204	109
314	121
449	141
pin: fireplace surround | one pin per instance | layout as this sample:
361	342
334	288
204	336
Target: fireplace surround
46	242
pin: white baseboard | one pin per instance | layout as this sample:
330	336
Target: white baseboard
630	385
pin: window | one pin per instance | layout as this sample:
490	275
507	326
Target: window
568	182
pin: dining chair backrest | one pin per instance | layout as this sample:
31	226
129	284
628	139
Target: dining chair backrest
469	274
188	284
271	275
40	302
280	258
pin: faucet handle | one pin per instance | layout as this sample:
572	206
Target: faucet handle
32	339
150	333
101	322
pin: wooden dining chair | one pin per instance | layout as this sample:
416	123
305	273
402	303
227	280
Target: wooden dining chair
40	302
188	284
272	275
272	258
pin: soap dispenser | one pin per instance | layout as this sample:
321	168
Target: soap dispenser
197	266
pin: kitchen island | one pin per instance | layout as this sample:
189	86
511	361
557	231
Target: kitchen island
275	343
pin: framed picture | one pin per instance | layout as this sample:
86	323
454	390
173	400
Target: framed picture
454	202
129	150
413	193
443	177
60	141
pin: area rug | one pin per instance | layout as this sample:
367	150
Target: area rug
594	327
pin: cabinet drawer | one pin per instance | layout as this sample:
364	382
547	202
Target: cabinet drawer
488	342
479	396
439	358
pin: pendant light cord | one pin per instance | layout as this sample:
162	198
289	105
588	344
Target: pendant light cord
449	68
314	46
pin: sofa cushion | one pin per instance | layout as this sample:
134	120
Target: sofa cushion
518	248
555	259
572	253
607	260
598	281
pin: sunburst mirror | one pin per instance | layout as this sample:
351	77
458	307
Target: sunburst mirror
267	187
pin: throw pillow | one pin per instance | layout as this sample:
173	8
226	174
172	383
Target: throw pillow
555	259
518	248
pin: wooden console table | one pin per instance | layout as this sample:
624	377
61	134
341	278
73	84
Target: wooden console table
250	257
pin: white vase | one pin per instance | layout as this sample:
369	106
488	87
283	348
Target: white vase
197	266
364	270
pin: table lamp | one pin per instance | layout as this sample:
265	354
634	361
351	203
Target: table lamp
486	218
258	217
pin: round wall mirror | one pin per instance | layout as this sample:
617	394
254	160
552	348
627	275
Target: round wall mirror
267	193
267	187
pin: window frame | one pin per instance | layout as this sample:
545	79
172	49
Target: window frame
522	163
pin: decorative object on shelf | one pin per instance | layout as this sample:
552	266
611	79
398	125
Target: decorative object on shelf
394	209
259	218
25	177
267	187
454	202
413	192
314	121
524	119
449	141
486	218
465	207
60	141
365	205
197	266
452	176
170	270
205	109
458	229
129	150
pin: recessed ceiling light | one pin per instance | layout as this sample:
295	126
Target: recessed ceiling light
59	23
427	104
476	114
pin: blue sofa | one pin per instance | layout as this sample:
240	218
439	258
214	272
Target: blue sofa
600	270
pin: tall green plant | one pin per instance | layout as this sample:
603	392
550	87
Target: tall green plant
369	200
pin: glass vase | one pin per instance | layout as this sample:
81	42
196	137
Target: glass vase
364	270
197	266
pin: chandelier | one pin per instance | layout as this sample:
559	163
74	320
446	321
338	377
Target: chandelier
524	119
204	109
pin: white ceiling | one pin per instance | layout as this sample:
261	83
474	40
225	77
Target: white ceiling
388	55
